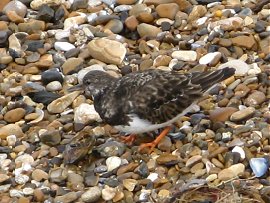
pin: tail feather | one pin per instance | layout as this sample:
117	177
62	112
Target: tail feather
208	79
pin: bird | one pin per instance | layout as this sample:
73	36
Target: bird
145	101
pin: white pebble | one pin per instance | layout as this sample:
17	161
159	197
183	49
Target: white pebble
185	55
63	46
209	58
113	162
152	176
11	140
86	113
240	151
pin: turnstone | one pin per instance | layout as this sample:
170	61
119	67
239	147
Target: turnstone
145	101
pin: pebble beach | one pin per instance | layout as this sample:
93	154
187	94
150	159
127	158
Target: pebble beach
55	148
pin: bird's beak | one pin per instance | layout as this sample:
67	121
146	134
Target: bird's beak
78	87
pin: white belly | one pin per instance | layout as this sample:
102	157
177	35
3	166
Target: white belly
137	125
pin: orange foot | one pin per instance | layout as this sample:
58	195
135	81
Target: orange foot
129	140
153	144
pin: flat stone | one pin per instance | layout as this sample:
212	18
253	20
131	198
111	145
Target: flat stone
93	194
197	12
241	67
71	64
14	115
242	114
222	114
60	104
148	30
18	7
11	129
255	98
63	46
244	41
108	51
167	10
231	172
211	58
228	24
33	26
35	4
187	56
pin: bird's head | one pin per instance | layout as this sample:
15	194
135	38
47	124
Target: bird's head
94	83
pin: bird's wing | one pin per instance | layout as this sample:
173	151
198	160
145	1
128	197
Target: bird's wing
165	96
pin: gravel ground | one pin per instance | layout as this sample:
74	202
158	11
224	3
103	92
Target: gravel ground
54	146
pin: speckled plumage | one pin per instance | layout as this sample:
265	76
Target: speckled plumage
145	101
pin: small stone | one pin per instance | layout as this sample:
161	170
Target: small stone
14	17
34	57
17	6
92	195
221	114
187	56
193	160
241	67
67	198
32	26
197	12
231	172
14	115
11	129
131	23
108	193
50	76
45	13
211	58
57	175
39	175
113	162
115	25
167	10
227	24
24	159
36	4
60	104
71	65
50	137
63	46
242	114
106	50
167	159
86	113
130	184
54	86
3	178
21	179
259	166
148	30
244	41
255	99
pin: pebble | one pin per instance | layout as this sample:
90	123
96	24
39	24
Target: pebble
63	46
93	194
221	114
108	193
113	162
86	113
14	115
130	184
231	172
145	29
60	104
255	99
108	51
187	56
241	68
242	114
11	129
259	166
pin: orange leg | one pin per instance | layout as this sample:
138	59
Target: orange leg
128	139
153	144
